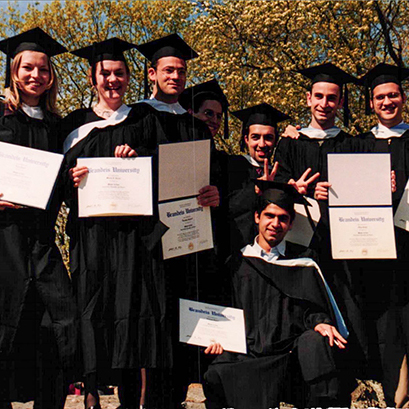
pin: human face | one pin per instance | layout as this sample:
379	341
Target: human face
169	77
211	114
260	142
387	102
273	224
33	76
324	101
112	80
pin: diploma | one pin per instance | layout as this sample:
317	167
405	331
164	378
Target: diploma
302	231
362	233
190	228
184	168
27	175
401	218
359	179
205	324
116	187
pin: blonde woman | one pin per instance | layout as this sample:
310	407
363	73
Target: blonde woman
37	311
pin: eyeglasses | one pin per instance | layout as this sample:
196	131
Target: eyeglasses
211	114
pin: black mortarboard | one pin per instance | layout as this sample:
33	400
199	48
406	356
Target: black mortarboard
169	46
330	73
31	40
111	49
381	74
283	195
210	90
262	114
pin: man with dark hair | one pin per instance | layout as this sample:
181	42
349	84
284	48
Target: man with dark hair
289	313
310	151
386	303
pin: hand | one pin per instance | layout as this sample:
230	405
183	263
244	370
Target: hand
302	184
209	196
267	176
8	205
214	349
124	151
291	132
393	181
77	174
331	332
321	190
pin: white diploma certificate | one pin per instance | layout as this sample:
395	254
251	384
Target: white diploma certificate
190	227
27	175
401	218
116	187
302	231
184	168
365	232
359	179
362	233
204	324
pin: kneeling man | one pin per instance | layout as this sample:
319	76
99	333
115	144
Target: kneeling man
294	329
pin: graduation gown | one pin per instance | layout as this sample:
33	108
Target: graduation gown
295	156
282	305
33	277
384	289
116	262
238	204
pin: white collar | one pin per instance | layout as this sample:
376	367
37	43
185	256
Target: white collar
33	112
382	132
253	162
174	108
315	133
255	250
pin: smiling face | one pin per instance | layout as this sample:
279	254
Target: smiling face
324	101
112	79
169	78
211	113
387	102
33	76
260	142
273	224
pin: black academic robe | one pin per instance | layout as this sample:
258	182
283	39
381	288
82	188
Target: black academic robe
384	289
282	305
238	204
116	262
295	156
111	263
33	278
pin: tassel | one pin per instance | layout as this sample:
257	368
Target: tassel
145	80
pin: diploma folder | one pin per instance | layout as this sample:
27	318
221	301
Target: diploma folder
27	175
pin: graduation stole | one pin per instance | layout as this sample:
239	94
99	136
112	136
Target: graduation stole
80	133
306	262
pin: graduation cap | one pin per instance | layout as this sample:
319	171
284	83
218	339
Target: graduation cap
111	49
31	40
193	98
381	74
169	46
262	114
283	195
330	73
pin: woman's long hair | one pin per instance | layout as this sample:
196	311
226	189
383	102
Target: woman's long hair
13	94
